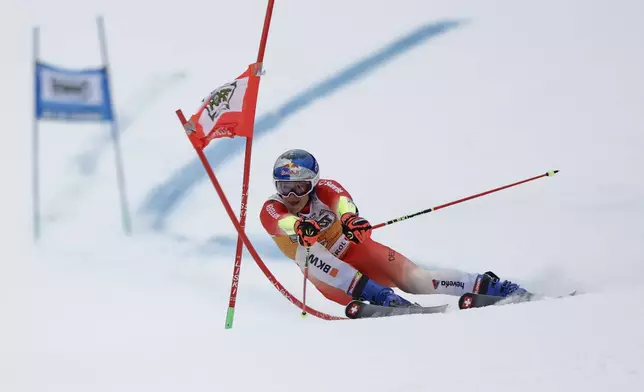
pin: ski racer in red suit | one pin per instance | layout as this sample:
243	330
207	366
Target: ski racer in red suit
344	262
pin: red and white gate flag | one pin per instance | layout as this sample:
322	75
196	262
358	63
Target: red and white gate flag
228	111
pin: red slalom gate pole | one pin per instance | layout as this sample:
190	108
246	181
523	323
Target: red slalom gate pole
402	218
234	286
246	241
264	38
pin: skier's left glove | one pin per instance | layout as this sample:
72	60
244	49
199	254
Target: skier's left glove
307	231
355	228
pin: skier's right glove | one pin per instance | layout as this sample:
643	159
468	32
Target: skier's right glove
307	231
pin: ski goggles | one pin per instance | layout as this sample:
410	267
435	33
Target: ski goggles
298	188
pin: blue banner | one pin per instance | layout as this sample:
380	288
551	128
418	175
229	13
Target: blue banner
64	94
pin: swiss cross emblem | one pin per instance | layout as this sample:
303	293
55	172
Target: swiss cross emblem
354	310
467	302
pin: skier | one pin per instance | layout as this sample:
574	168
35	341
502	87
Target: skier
317	218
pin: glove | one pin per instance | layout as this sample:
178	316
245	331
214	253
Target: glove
307	231
355	228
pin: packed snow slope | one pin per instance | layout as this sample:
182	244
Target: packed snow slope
409	105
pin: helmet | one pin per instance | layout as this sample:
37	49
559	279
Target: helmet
297	172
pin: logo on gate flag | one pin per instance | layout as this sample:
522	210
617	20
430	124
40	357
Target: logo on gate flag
228	111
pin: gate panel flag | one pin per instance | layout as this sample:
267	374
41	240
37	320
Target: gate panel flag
228	111
66	94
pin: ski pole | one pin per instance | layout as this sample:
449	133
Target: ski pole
402	218
306	276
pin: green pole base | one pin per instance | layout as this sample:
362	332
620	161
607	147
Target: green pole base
230	315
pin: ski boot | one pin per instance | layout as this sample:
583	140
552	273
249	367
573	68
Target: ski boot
364	289
490	284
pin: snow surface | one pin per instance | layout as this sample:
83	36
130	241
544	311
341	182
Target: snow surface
437	100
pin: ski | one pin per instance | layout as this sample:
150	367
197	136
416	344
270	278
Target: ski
472	300
358	310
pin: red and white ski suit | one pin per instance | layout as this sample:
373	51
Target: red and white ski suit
335	260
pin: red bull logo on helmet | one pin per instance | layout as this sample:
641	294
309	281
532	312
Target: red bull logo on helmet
290	169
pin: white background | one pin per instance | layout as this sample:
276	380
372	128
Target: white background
90	94
515	90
